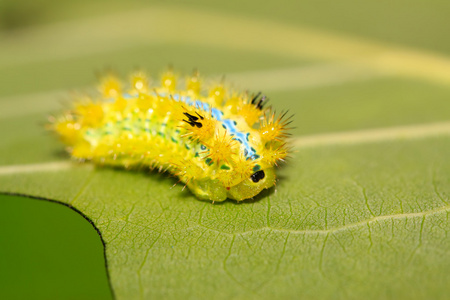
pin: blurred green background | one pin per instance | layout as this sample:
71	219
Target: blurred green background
48	251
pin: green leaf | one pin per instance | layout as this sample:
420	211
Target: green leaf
361	213
366	221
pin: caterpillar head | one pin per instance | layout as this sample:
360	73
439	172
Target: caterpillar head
215	190
252	186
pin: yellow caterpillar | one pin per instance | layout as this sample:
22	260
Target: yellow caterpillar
221	144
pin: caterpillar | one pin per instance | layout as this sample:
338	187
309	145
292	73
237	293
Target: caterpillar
220	144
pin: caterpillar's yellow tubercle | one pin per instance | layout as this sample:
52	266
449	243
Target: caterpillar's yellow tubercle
221	144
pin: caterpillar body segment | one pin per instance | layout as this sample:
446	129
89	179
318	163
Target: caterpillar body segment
220	144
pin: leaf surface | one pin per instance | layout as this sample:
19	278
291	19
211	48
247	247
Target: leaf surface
357	215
